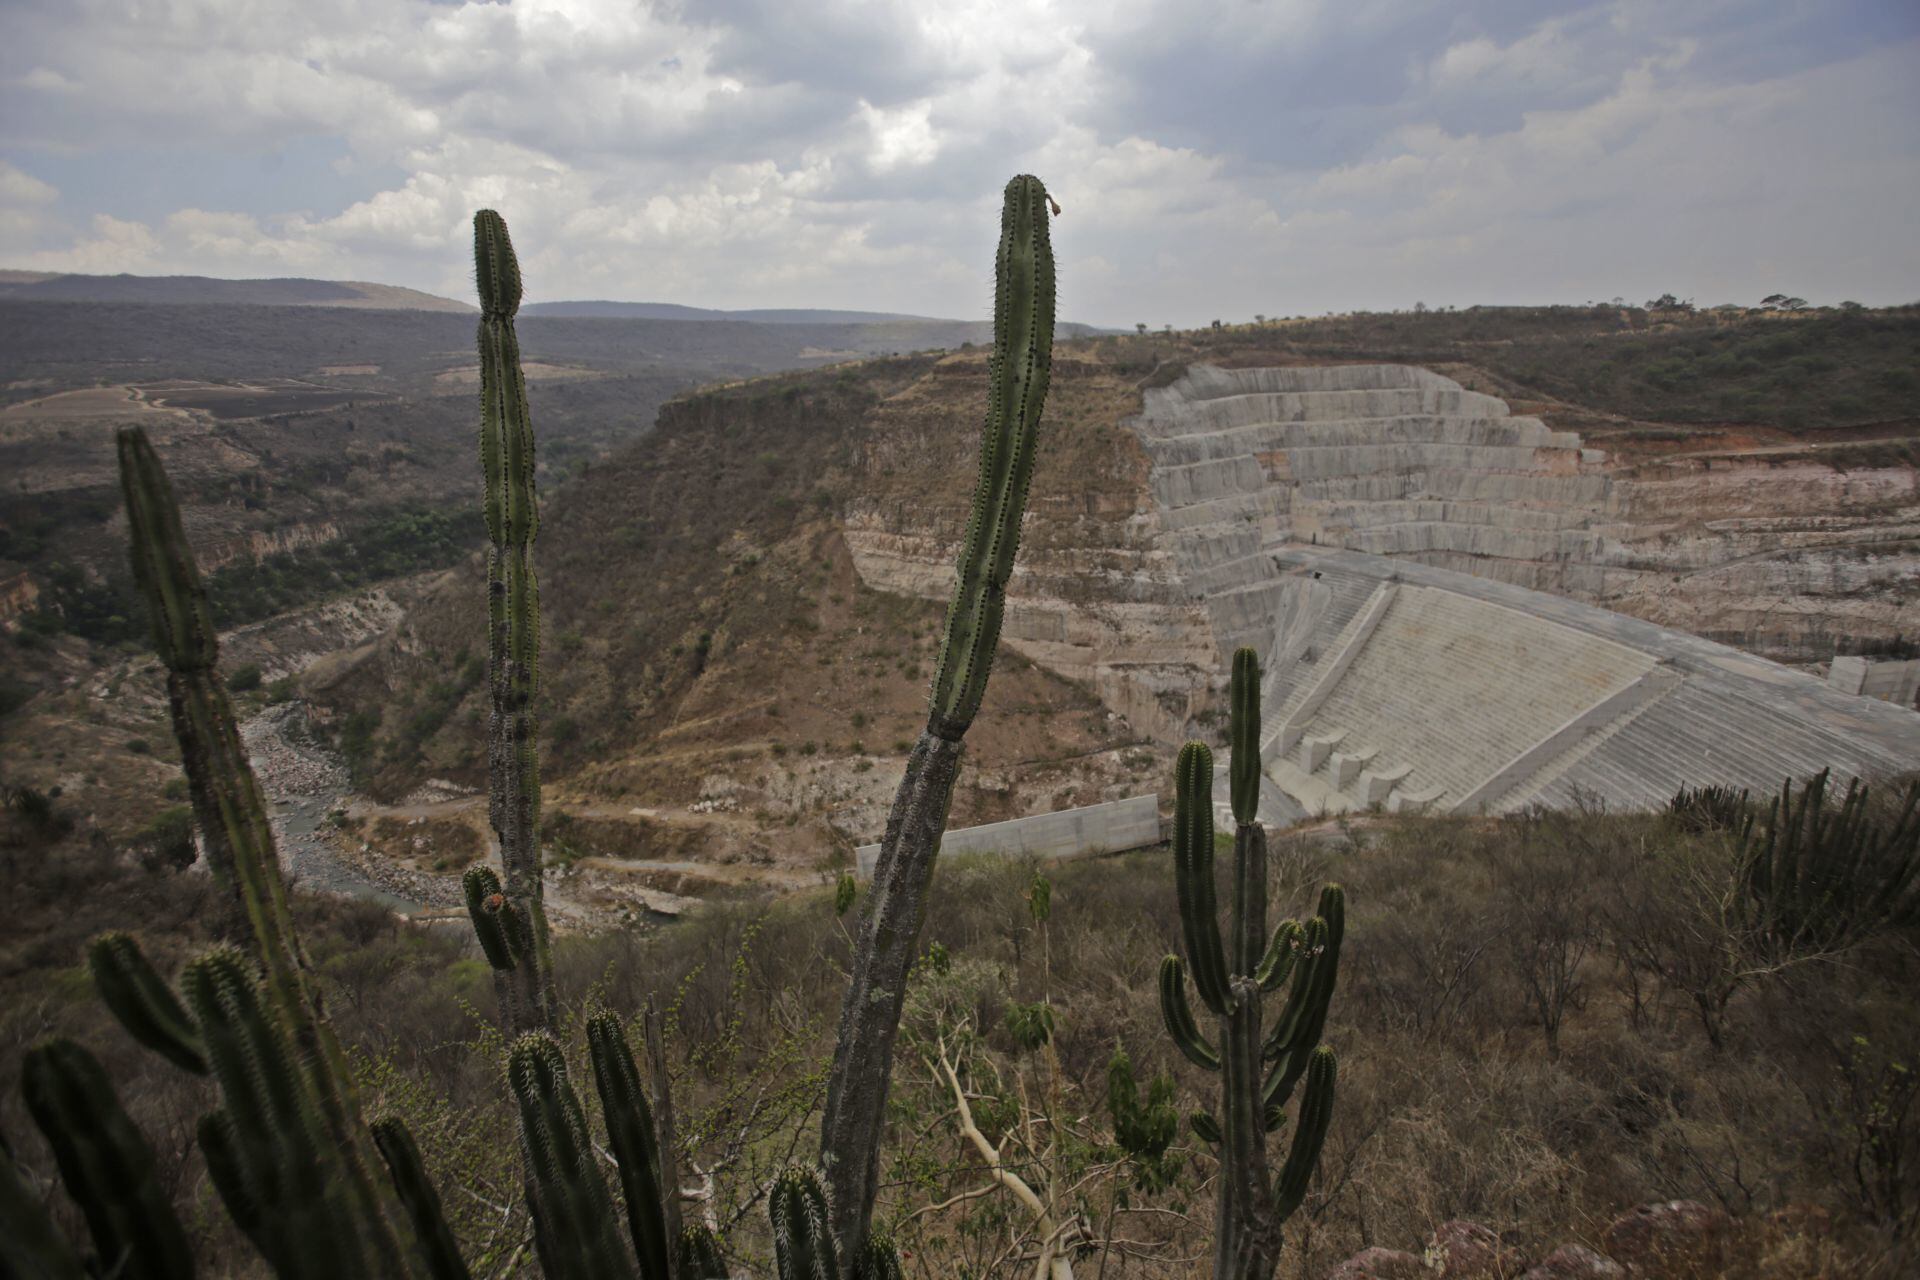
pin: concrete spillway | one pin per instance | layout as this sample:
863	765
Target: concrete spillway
1387	541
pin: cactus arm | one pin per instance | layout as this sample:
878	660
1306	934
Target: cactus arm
31	1247
226	1170
1244	733
1282	953
802	1241
1316	1113
1178	1015
1018	375
513	616
417	1193
300	1200
143	1002
630	1134
1205	1127
574	1214
105	1162
1193	874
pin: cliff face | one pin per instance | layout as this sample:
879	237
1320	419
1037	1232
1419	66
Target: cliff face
1096	597
1146	564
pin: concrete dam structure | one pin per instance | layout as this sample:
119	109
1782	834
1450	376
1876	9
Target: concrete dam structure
1401	552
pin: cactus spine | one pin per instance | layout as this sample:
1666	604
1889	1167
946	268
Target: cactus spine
368	1229
513	622
889	934
1259	1068
105	1163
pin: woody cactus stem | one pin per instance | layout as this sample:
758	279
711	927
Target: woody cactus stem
232	817
1259	1067
513	616
889	934
105	1163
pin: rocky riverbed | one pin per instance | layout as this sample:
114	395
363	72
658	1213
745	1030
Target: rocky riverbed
304	782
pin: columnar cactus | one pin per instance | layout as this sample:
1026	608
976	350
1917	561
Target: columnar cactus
105	1163
513	618
890	924
631	1135
1821	877
1259	1067
422	1201
573	1220
374	1238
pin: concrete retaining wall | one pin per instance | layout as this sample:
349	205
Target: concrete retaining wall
1112	827
1895	682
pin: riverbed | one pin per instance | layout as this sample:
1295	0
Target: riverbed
303	782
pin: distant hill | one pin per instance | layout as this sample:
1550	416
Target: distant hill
37	286
598	310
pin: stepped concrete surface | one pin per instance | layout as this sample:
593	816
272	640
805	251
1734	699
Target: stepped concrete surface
1501	697
1387	541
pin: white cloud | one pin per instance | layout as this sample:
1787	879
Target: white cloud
849	153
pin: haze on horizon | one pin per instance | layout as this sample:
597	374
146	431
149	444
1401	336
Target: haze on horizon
1215	158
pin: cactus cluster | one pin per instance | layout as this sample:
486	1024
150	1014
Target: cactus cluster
888	939
1260	1065
1820	876
288	1150
803	1241
513	627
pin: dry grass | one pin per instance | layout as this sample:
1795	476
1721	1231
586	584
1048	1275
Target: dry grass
1452	1103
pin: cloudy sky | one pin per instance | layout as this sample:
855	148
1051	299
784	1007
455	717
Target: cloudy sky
1213	157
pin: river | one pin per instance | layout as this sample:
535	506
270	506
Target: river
303	781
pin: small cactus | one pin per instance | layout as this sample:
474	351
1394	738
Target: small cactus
1260	1067
698	1254
802	1240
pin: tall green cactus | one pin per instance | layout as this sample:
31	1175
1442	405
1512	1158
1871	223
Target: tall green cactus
232	817
1259	1067
106	1164
1018	373
513	620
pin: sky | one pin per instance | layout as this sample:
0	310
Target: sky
1213	158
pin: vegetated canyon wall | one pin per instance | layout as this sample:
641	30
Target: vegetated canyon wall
1143	569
